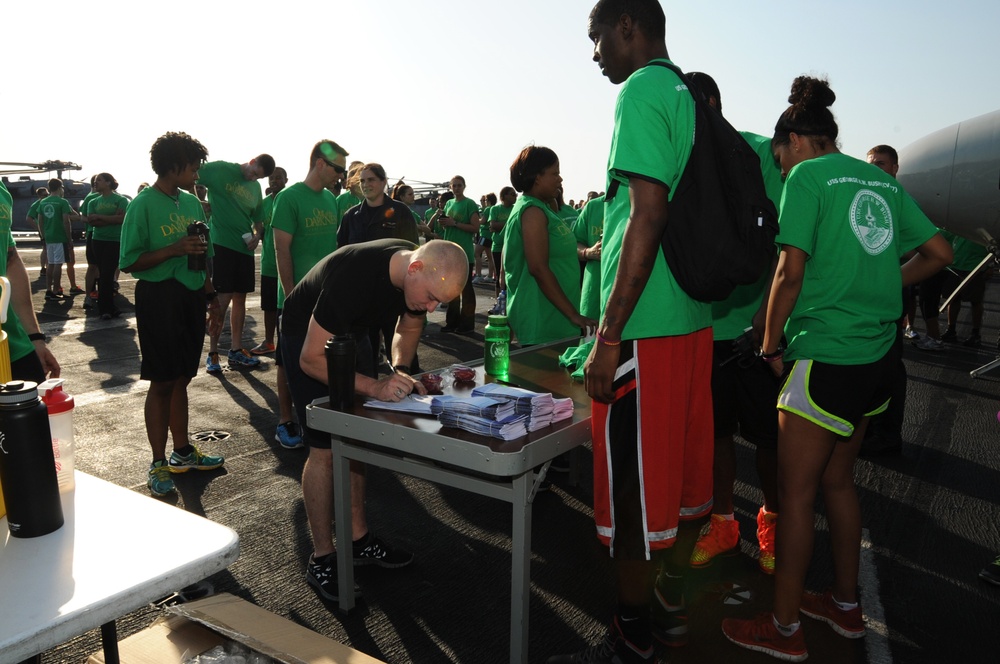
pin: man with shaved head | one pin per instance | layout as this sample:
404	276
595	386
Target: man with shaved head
399	279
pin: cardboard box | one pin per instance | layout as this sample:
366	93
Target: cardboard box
199	626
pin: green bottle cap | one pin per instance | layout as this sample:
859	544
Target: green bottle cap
497	320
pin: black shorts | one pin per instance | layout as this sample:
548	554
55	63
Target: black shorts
171	322
305	389
930	295
744	397
484	242
974	291
28	367
268	293
233	271
837	396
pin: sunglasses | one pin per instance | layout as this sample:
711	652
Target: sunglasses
337	167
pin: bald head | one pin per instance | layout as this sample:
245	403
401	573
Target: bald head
437	272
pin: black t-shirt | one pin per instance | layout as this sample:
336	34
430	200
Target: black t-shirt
364	223
347	291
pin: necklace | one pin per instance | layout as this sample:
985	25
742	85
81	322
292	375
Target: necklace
176	199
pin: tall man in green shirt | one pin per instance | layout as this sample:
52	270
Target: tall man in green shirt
237	210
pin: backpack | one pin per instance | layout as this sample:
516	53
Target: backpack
720	223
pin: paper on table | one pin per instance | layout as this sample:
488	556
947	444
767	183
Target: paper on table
413	403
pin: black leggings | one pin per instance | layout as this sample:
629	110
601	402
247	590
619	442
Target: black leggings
106	253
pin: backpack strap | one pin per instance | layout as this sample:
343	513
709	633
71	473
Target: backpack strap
613	187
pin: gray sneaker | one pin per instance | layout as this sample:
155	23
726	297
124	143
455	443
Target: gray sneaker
929	343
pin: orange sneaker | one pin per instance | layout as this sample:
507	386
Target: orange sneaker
720	536
761	635
849	624
767	523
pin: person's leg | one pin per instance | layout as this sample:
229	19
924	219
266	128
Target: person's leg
90	277
71	265
106	255
317	493
844	515
284	397
270	322
213	339
804	450
179	413
55	277
158	411
468	312
237	316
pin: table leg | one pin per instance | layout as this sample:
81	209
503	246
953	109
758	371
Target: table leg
342	514
520	577
109	640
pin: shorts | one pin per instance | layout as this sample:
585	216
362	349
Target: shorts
974	291
837	396
485	242
743	397
305	389
233	271
171	322
55	253
89	251
930	295
28	367
268	293
653	446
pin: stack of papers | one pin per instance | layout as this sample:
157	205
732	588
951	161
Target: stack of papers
494	409
500	411
507	429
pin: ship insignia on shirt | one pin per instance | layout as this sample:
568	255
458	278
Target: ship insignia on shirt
871	221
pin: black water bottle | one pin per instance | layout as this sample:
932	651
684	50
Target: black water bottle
27	463
196	262
341	353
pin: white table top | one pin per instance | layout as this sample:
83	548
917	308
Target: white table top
117	551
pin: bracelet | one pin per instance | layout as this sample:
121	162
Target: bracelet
601	339
36	336
402	368
772	357
211	296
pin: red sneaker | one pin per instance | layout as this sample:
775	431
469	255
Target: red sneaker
849	624
719	537
761	635
767	524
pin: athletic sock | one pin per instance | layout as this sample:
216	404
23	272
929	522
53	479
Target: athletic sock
785	630
844	606
634	623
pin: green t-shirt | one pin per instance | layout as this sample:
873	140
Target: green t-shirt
531	315
967	254
854	222
484	222
499	213
51	209
345	202
236	203
18	344
111	204
88	230
154	221
311	218
734	314
428	213
462	211
654	130
568	214
268	262
588	229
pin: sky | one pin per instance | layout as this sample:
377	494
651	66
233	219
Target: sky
435	89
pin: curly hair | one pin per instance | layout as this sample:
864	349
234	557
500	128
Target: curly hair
809	113
175	151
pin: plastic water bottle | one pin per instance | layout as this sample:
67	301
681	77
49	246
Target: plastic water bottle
27	466
497	347
60	407
341	362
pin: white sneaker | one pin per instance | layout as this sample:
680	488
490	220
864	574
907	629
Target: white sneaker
910	333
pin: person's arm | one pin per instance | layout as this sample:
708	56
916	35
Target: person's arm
640	247
283	257
20	302
470	227
67	227
405	340
258	235
106	219
785	289
313	362
931	257
189	244
214	310
585	253
535	233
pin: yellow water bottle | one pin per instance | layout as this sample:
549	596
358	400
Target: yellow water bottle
4	353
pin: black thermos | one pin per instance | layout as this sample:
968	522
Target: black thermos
27	464
197	262
341	351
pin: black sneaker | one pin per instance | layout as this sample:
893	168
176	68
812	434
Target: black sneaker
614	648
560	464
949	336
373	551
323	577
974	341
669	624
991	573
